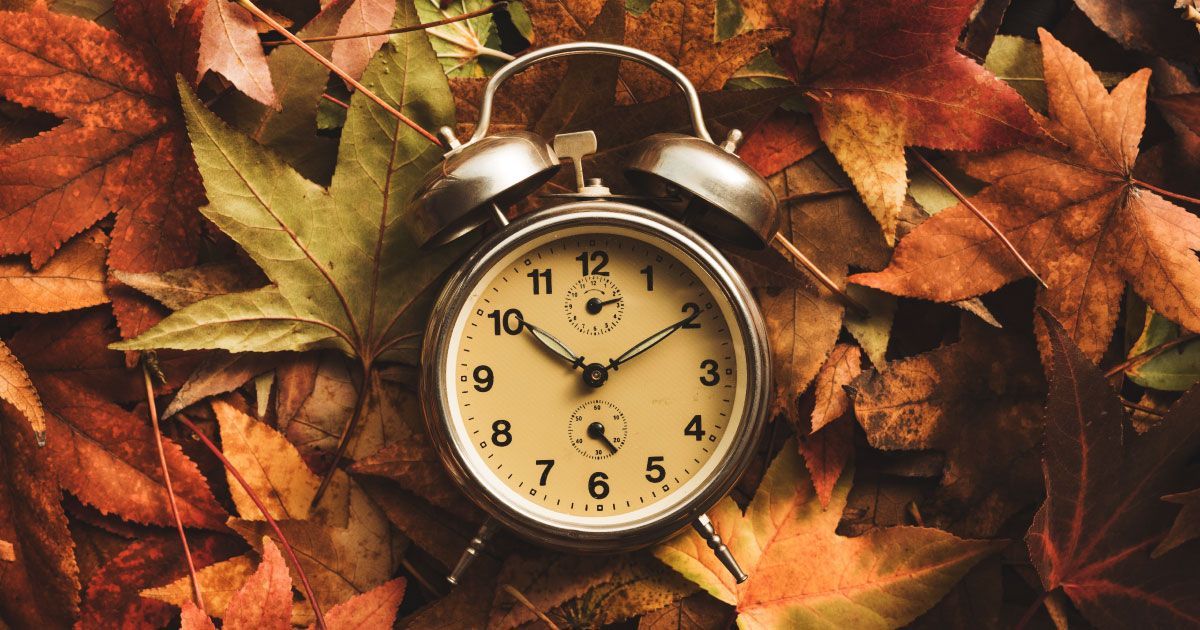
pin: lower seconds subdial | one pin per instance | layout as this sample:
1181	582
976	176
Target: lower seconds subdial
594	305
597	429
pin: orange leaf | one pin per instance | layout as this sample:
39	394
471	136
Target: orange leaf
1082	222
229	45
265	600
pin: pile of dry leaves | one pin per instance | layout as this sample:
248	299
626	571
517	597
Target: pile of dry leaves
1004	439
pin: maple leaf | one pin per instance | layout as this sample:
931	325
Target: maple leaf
1086	225
362	16
265	600
462	45
229	46
787	544
835	232
39	585
374	609
120	148
879	76
360	293
1102	517
978	400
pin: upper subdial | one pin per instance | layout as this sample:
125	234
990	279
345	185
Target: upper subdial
597	429
594	305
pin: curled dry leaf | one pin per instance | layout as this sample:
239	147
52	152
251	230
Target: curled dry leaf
1103	515
1085	224
269	463
17	390
217	375
787	543
178	288
1153	27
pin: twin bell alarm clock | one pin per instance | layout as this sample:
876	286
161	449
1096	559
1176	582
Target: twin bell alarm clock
595	375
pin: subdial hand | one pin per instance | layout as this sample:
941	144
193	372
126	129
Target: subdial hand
595	431
650	342
595	305
553	344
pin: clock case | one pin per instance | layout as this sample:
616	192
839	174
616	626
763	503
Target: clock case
703	184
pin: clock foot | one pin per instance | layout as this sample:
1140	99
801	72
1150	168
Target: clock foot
485	532
704	527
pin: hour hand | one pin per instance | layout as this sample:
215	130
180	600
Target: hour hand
552	343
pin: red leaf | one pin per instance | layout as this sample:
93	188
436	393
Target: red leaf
779	142
1103	516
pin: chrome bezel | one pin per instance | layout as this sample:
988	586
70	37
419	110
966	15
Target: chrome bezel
436	406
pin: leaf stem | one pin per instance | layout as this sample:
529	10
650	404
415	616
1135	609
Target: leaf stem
270	21
1165	193
524	601
335	100
1129	404
1142	357
197	596
817	194
287	547
395	31
821	277
978	213
347	430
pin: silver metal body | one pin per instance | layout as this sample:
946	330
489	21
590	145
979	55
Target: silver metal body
483	487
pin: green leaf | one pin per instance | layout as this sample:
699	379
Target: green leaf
346	272
460	45
1175	369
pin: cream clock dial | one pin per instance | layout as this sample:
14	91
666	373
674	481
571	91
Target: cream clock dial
596	374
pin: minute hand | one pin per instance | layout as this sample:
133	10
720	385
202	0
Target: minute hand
649	342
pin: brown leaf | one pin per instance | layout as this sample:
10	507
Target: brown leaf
295	378
73	278
39	584
1102	517
1187	522
362	16
270	465
265	600
414	464
439	533
340	561
1153	27
219	374
978	401
229	46
374	609
178	288
17	390
835	232
120	149
682	32
1082	222
826	454
697	612
832	402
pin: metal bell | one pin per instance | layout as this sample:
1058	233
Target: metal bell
718	194
457	195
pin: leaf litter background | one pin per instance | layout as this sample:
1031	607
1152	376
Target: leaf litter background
978	451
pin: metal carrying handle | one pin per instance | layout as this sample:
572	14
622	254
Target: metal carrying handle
590	48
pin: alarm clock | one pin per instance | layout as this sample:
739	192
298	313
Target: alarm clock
595	374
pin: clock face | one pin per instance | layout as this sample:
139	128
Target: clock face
596	377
